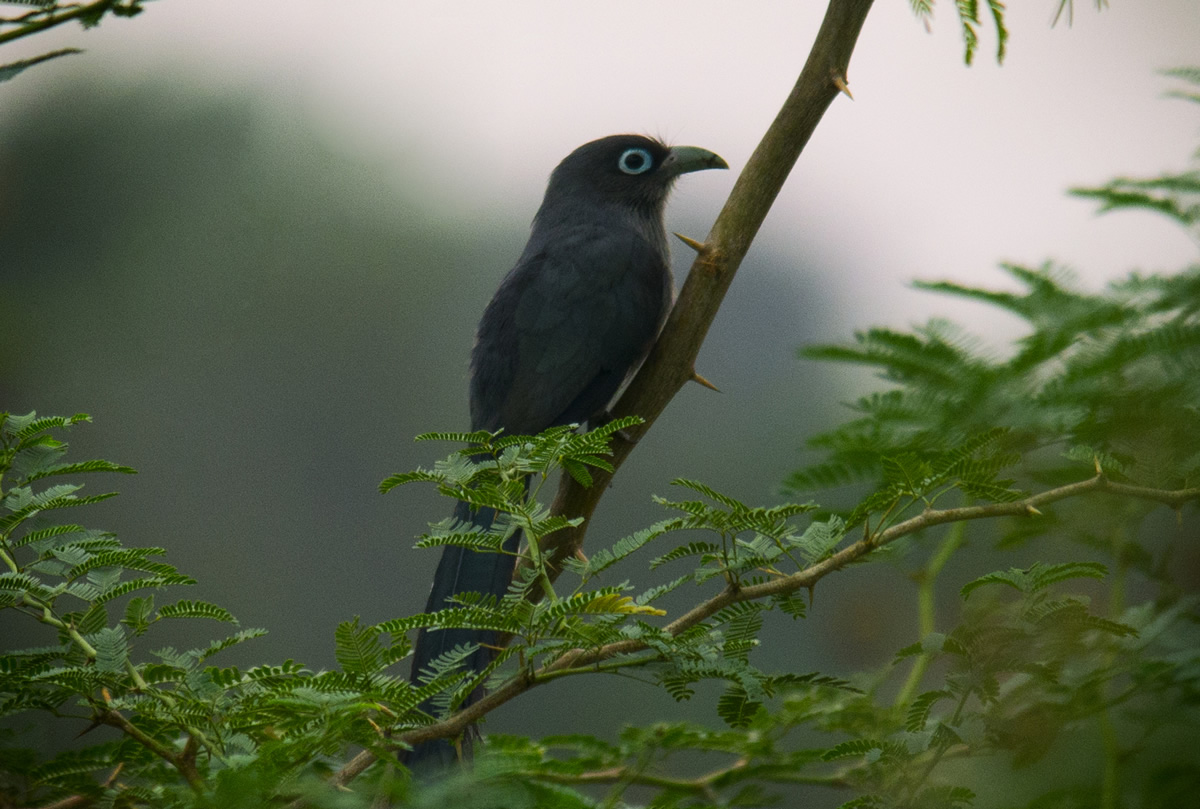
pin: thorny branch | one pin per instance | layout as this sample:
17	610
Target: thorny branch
580	659
671	363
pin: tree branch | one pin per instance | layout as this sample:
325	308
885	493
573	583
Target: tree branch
183	762
54	15
671	362
581	659
702	784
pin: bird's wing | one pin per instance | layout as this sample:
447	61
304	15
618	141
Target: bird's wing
576	318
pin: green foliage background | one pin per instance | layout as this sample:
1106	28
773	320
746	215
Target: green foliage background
1065	678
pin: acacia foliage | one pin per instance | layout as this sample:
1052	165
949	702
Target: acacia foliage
1088	654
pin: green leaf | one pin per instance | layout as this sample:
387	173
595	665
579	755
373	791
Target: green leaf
112	650
41	503
606	558
478	437
225	643
579	471
88	761
26	427
864	802
357	648
196	609
14	585
918	711
1045	575
821	538
477	540
127	558
684	551
142	583
736	708
81	467
996	7
417	476
791	604
47	533
661	590
853	748
710	493
1038	577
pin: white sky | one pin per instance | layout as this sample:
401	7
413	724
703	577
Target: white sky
934	171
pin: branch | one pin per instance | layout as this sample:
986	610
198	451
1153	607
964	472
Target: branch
583	661
1027	507
926	577
703	784
71	802
671	362
83	801
183	762
57	16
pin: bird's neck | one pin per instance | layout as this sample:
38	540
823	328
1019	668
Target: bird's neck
647	223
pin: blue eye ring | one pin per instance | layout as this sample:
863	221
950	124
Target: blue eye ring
635	161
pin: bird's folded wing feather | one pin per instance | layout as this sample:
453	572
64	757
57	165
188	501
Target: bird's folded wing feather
583	313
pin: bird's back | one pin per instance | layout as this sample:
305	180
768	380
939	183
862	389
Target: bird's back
572	319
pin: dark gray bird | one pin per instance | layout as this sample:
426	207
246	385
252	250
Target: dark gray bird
569	324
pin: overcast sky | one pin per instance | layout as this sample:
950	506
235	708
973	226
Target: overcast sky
935	170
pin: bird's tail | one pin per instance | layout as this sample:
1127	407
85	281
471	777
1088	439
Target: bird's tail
461	570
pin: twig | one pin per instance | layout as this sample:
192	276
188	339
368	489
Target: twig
926	579
70	802
68	13
581	659
183	762
81	801
701	784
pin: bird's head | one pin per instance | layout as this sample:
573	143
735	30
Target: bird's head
631	170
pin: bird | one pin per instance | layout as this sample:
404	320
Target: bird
569	324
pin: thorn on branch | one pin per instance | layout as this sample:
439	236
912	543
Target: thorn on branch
1032	511
839	81
699	247
695	377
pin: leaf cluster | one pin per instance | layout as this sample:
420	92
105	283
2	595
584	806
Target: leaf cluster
186	723
1041	660
1107	380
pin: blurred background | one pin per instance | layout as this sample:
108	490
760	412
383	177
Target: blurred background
253	241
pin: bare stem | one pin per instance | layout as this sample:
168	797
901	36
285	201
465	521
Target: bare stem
926	581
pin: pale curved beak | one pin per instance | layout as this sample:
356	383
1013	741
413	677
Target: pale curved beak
686	159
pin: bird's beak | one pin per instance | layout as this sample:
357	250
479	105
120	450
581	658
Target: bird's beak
685	159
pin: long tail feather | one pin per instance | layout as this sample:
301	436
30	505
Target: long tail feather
461	570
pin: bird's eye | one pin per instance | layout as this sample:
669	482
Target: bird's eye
635	161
